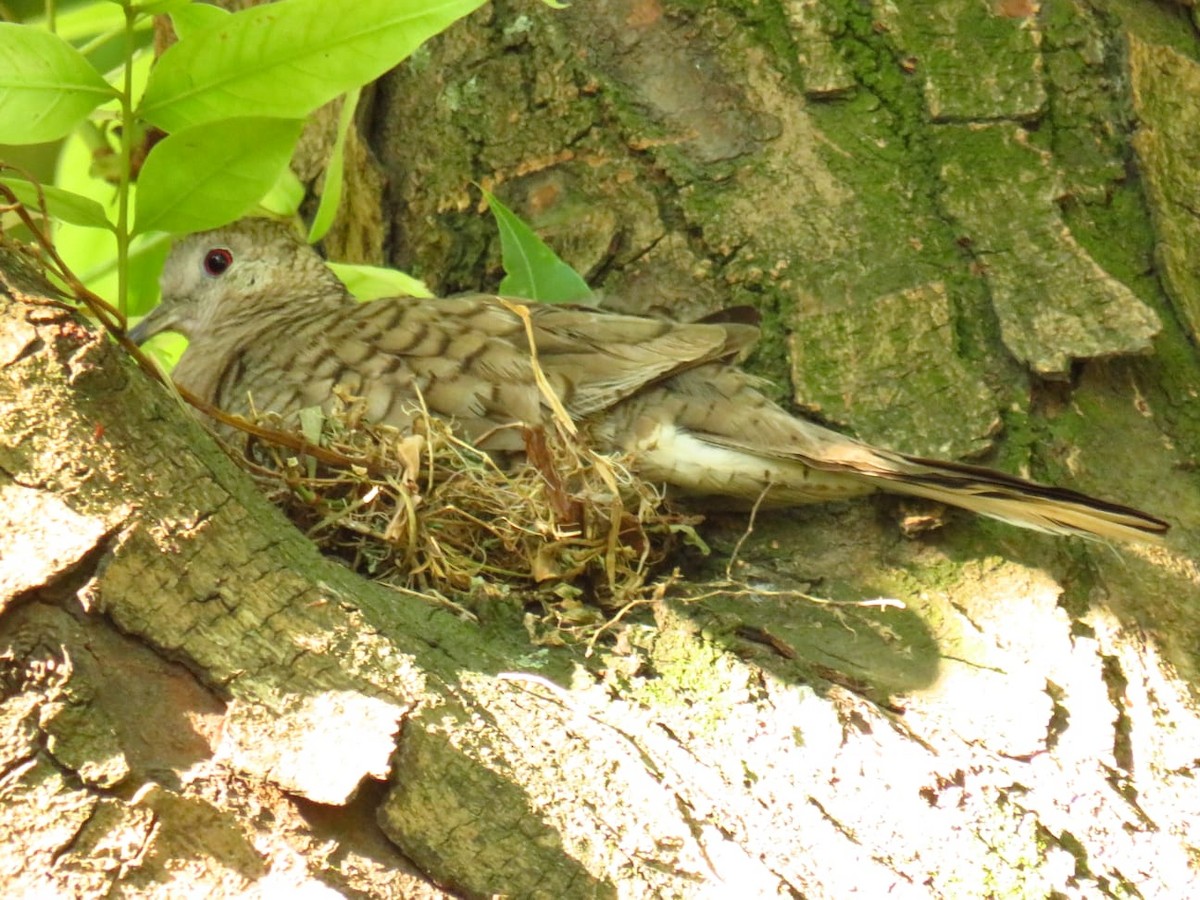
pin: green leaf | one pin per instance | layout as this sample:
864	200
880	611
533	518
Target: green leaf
91	253
66	206
312	423
159	7
331	196
283	200
81	22
532	270
373	282
46	86
196	17
86	249
165	349
147	255
286	59
207	176
691	537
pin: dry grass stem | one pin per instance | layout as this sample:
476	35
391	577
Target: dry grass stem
429	512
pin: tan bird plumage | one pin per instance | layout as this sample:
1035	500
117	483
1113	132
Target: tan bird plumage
271	328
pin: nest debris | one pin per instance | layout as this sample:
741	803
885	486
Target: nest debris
427	511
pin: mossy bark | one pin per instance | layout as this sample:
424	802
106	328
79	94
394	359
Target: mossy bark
966	225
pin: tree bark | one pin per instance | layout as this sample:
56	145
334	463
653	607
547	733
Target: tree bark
192	692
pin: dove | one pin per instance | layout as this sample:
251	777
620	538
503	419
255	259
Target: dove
269	327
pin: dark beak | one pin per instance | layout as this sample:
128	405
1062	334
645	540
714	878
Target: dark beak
159	319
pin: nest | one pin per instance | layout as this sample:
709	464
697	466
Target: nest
428	512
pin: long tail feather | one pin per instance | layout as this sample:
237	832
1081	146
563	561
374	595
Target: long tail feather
1020	502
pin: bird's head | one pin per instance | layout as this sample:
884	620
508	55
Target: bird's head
215	278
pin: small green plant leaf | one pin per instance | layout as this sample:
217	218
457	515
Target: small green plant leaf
209	175
532	270
88	20
283	200
47	86
66	206
196	17
85	248
158	7
165	349
285	59
373	282
331	196
312	423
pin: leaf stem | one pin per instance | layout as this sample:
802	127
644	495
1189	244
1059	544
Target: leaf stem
126	166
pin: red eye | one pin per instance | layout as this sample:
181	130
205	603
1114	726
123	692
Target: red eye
217	260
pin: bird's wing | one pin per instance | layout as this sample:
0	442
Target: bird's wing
468	358
602	358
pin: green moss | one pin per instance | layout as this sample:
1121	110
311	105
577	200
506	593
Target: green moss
1168	24
1118	234
767	26
694	671
771	358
